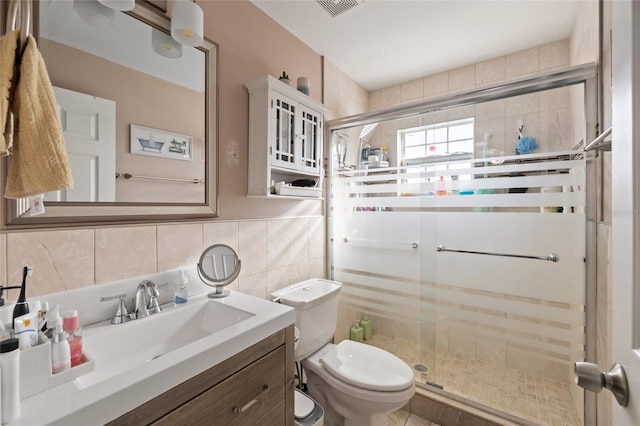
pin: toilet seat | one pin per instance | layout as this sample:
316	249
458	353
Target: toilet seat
367	367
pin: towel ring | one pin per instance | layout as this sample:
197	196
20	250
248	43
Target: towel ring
22	8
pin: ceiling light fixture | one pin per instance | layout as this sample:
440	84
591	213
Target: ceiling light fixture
164	45
187	22
123	5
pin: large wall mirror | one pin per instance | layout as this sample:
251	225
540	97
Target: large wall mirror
138	111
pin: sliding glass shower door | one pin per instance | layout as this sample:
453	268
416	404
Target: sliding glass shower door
461	232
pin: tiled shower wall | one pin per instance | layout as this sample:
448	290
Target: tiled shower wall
274	253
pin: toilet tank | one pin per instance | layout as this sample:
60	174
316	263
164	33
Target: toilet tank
316	309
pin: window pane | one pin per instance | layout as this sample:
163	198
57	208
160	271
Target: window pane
413	139
441	134
461	146
462	131
431	136
415	152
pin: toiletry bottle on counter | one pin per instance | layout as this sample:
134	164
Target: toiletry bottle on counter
60	351
10	379
71	324
52	318
181	293
355	333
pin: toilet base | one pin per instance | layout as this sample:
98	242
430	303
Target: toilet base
343	410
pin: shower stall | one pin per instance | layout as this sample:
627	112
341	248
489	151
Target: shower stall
463	227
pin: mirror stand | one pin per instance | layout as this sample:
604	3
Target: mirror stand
219	266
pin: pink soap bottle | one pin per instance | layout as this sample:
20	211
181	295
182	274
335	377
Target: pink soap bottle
71	324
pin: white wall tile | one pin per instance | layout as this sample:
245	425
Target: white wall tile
124	253
554	55
317	237
253	247
220	233
491	71
462	78
254	285
412	90
436	84
524	104
61	260
277	279
298	240
179	246
523	63
278	241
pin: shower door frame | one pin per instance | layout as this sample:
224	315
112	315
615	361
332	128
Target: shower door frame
587	75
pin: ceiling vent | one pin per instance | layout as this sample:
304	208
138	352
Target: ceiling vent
336	7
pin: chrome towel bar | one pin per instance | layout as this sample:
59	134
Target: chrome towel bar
130	176
599	143
551	257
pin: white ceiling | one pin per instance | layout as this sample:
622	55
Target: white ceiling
379	43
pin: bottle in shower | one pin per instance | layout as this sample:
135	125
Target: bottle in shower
356	333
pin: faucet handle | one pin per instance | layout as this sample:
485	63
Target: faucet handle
122	314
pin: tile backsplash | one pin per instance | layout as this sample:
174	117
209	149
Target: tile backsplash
274	253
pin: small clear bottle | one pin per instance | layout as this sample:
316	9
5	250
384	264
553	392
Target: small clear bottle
60	351
181	291
71	324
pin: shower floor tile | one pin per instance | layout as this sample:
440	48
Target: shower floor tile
537	399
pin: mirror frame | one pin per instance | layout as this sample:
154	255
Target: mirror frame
14	212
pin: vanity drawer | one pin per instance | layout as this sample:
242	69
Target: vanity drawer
241	399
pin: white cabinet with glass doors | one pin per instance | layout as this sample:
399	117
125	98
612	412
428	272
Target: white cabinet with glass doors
285	135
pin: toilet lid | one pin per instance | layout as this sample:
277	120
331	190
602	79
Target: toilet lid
367	367
303	405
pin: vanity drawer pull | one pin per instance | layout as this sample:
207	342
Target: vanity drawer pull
238	410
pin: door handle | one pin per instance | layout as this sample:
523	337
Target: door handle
589	377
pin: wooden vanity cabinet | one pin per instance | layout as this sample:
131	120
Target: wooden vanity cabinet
254	387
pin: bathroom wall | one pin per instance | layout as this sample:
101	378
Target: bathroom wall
279	241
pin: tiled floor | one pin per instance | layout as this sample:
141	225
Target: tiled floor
404	418
537	399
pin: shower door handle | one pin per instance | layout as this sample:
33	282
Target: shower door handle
589	377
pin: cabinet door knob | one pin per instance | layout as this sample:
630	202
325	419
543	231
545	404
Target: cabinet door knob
245	407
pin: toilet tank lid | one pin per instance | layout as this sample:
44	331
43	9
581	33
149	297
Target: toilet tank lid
306	294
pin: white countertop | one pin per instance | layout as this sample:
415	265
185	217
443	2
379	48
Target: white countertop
76	404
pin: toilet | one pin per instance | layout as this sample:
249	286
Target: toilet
357	384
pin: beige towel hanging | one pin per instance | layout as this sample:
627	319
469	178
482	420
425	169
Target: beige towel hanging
8	77
39	162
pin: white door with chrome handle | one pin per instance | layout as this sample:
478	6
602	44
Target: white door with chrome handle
625	223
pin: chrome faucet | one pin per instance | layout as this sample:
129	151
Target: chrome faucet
139	308
152	291
145	302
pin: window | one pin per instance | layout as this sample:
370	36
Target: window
449	138
433	146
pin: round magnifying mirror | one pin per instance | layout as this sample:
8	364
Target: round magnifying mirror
218	266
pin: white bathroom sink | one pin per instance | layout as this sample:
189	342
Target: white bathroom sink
119	348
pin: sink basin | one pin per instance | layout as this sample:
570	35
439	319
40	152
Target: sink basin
117	349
